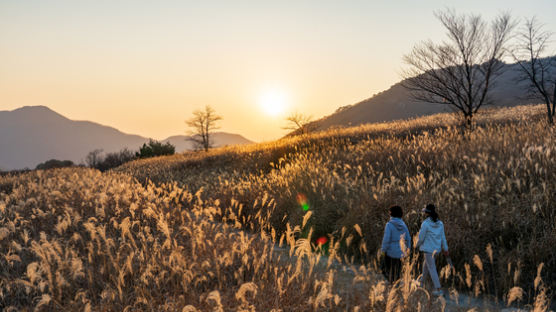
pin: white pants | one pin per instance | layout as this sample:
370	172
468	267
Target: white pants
429	268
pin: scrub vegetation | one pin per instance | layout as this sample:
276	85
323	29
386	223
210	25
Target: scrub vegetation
291	225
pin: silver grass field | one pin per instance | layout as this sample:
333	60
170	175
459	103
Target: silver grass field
236	228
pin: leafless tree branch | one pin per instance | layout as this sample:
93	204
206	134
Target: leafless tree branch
461	70
299	123
202	124
535	67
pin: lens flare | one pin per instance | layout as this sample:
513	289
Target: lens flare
302	201
322	240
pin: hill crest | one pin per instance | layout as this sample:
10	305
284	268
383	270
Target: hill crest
395	103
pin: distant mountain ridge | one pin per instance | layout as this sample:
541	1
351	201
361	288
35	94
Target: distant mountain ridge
396	103
33	134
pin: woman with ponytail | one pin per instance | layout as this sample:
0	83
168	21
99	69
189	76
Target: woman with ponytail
432	240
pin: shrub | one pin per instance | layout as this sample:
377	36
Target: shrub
96	160
155	148
116	159
54	163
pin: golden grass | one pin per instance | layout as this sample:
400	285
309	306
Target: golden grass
494	187
75	239
224	231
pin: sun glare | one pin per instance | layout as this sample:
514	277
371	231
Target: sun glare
273	102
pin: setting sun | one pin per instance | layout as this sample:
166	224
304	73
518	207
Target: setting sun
274	102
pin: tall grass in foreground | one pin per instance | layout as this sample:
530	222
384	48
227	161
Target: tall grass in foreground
79	240
74	239
495	188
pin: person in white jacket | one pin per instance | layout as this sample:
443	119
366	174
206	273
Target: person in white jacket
432	240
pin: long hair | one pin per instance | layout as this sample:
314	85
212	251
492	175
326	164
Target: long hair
431	210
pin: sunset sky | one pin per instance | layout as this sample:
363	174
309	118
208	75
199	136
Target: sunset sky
144	66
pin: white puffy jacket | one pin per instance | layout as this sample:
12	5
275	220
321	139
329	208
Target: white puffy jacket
432	238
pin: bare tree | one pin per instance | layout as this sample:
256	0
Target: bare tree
536	67
94	158
298	122
202	124
460	71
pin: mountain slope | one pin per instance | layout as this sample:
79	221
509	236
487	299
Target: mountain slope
34	134
396	103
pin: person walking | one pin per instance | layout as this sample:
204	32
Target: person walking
432	240
392	252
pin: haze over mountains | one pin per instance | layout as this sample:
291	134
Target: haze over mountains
396	103
33	134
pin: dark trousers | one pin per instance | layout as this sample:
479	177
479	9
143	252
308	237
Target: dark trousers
392	268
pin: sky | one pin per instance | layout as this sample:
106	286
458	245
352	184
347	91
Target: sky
143	67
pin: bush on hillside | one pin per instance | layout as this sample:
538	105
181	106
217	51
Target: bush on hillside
54	163
155	148
116	159
96	160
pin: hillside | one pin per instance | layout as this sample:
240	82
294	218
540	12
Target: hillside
396	103
34	134
242	228
485	183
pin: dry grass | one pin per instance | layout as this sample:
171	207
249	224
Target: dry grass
204	236
79	240
494	187
75	239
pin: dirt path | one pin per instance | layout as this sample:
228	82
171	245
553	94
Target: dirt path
349	282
